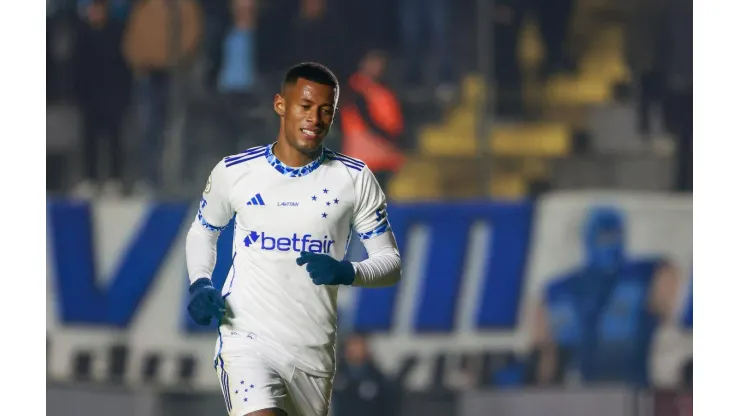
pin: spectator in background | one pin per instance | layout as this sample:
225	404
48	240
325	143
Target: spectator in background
234	75
372	24
117	9
554	17
62	27
597	323
647	43
508	16
234	63
417	16
148	50
659	47
372	121
319	35
360	388
102	89
679	102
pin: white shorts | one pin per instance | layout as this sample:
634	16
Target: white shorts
252	378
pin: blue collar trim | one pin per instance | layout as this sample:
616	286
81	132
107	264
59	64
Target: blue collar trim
291	171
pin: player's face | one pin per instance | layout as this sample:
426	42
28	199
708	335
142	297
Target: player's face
308	112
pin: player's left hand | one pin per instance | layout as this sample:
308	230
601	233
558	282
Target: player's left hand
325	270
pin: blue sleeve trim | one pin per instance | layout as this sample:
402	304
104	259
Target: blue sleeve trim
382	228
208	226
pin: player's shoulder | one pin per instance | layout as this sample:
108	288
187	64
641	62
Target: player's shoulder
245	158
239	164
231	168
353	165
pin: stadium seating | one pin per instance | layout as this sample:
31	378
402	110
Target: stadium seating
523	152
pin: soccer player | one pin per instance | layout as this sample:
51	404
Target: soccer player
296	203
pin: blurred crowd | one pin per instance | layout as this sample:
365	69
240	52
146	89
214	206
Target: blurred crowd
126	64
134	74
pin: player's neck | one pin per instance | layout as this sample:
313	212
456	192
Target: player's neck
292	157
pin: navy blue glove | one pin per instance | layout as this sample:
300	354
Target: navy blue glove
205	303
325	270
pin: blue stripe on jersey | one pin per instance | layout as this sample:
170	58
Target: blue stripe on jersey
208	226
233	276
345	162
375	232
260	200
250	151
342	156
246	159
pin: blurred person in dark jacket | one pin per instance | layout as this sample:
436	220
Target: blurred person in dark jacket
659	49
233	76
117	9
360	388
554	18
373	25
679	101
430	18
148	50
62	27
508	16
233	60
596	323
647	40
102	89
371	120
319	34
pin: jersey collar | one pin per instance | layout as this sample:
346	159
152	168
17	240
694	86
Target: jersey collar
291	171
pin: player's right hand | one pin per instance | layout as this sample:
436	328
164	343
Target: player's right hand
205	303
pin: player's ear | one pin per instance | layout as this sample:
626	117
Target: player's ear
279	105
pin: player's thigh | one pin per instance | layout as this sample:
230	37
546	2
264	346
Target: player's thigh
249	384
309	395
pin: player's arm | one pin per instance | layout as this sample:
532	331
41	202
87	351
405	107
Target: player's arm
214	213
664	291
383	265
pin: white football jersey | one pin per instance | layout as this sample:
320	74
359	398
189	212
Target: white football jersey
281	211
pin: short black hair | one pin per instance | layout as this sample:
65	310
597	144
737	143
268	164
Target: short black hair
314	72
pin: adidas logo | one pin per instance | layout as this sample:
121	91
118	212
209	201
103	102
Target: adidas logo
256	200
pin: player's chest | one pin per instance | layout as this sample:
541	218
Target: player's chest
294	204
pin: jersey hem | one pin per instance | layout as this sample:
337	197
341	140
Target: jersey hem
292	359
